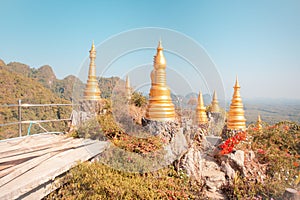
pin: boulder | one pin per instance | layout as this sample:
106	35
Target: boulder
291	194
236	160
212	175
227	169
191	163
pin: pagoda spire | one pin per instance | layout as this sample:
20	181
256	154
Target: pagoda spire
215	104
160	106
92	91
236	119
201	117
128	88
258	123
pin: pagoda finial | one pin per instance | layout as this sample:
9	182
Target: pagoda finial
237	84
215	104
159	44
92	91
127	82
93	46
236	119
200	99
201	117
159	58
128	88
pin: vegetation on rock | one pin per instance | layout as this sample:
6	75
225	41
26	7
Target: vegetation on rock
276	148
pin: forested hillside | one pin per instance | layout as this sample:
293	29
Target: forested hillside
39	86
14	86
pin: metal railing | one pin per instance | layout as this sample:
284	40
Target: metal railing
20	122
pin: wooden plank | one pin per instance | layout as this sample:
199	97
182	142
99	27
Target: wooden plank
20	140
32	143
35	156
43	150
18	170
46	171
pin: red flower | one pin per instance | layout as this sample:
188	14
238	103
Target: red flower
260	151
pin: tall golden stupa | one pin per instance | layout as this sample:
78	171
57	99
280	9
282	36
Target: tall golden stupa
236	119
160	106
215	104
92	91
201	117
128	90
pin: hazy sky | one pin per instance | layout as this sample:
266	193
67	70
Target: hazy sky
258	40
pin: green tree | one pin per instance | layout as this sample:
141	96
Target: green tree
138	99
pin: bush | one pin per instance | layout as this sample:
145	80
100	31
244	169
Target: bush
138	99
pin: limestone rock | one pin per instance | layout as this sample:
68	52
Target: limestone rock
227	169
236	160
291	194
176	147
191	161
212	174
176	144
250	156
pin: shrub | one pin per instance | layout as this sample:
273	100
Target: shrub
138	99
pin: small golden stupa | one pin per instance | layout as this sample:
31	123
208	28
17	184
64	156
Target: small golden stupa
236	119
258	123
215	104
160	106
201	117
92	91
128	88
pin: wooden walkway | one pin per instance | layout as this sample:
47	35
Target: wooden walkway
29	165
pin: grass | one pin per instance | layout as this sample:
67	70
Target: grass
97	181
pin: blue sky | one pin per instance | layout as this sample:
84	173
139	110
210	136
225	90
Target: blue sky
258	40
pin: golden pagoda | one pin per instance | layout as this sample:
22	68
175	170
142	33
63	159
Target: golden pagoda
201	117
128	88
236	119
92	91
215	104
258	123
160	106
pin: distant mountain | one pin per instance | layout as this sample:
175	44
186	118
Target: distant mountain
62	88
14	86
45	75
107	85
206	97
19	68
190	100
2	63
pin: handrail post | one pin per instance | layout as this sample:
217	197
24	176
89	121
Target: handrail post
20	117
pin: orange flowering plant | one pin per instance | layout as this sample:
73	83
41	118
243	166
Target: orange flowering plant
228	146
